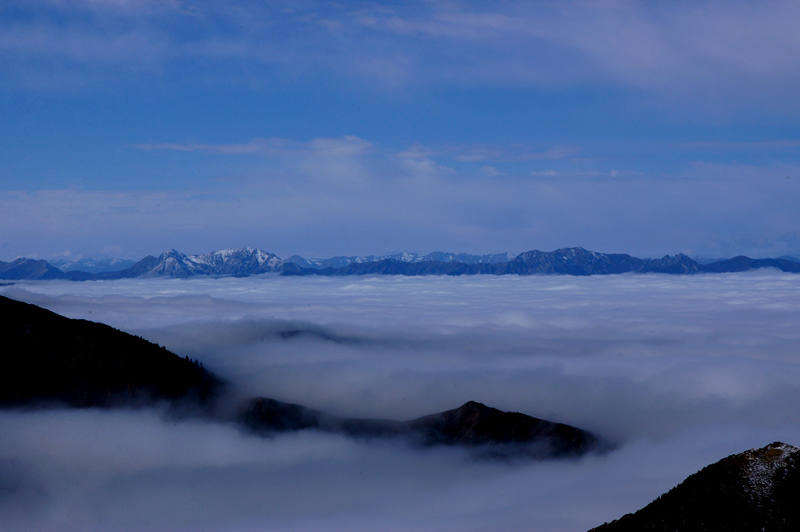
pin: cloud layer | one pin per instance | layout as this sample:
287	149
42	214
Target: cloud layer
679	371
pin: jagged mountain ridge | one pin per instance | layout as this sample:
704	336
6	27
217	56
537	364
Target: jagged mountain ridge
754	490
578	261
436	256
252	261
171	263
241	262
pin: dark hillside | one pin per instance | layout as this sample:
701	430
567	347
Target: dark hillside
488	431
476	425
757	490
50	358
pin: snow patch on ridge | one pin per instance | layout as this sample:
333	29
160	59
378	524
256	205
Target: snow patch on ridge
763	464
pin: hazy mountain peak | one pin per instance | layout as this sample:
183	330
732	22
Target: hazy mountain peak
476	424
92	265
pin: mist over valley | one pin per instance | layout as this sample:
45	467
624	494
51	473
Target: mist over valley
676	371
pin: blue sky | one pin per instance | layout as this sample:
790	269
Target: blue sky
318	128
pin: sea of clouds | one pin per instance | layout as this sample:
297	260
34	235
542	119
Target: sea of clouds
677	371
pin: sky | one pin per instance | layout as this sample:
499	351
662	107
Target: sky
677	371
322	128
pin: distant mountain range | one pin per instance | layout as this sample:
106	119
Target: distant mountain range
244	262
436	256
755	490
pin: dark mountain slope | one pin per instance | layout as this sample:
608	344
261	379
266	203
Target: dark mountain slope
474	424
489	431
757	490
268	416
50	358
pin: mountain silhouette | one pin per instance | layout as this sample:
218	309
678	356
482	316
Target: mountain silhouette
488	431
48	358
243	262
757	490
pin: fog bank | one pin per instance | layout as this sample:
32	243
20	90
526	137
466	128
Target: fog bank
678	370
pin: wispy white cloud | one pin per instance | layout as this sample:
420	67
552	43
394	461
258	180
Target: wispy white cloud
344	146
776	144
491	171
355	147
513	152
706	47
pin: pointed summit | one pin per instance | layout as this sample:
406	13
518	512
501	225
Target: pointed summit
476	424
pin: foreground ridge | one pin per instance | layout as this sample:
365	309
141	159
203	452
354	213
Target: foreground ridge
758	489
50	359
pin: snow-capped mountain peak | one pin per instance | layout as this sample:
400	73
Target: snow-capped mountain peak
236	261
